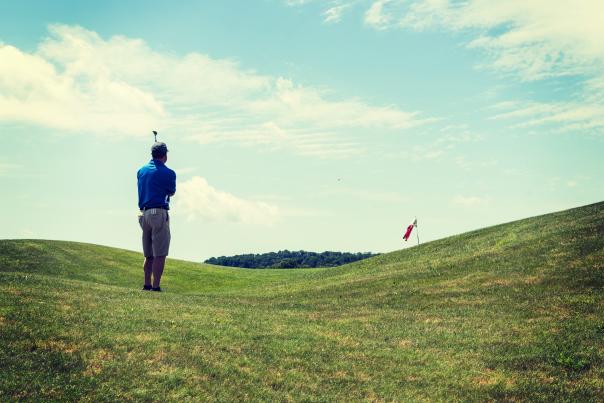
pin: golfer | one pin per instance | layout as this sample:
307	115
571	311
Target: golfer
156	183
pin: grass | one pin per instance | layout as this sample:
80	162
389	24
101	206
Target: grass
513	312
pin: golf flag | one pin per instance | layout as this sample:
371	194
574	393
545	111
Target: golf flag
409	229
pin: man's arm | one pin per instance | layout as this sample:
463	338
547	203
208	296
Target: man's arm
172	184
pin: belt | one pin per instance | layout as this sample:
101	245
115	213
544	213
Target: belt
151	208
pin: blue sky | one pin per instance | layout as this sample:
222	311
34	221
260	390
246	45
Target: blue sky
317	125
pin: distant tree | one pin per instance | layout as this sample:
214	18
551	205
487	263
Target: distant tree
288	263
285	259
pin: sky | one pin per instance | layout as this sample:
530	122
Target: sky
298	124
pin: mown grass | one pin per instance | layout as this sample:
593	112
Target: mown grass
511	312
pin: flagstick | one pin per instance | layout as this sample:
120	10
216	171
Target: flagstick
417	231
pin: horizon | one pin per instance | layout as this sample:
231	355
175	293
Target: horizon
320	251
298	125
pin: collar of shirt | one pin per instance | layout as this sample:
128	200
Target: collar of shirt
157	162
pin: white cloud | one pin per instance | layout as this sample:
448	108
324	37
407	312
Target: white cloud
27	233
184	170
78	81
529	40
533	39
375	15
199	200
469	201
32	90
562	116
452	137
558	183
334	14
297	104
475	164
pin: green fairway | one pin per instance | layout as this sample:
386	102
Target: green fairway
510	312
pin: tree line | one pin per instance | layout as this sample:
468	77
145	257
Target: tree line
286	259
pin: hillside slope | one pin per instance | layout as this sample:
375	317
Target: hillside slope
513	312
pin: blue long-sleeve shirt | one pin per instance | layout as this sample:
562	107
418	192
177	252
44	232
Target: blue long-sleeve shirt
156	183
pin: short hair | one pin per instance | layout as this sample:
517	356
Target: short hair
159	150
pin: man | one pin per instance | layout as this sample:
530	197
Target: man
156	183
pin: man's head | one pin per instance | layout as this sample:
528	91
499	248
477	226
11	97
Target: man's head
159	151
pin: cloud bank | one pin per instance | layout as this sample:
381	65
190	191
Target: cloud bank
522	40
78	81
197	199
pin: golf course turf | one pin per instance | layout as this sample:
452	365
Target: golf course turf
511	312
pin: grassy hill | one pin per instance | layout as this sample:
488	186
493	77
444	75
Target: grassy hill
510	312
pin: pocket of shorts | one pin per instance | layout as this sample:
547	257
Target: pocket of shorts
140	221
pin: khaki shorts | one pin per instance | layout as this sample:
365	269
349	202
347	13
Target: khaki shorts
155	224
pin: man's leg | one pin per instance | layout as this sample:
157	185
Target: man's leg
147	249
148	267
158	269
161	243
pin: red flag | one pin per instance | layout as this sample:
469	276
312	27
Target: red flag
409	229
408	232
